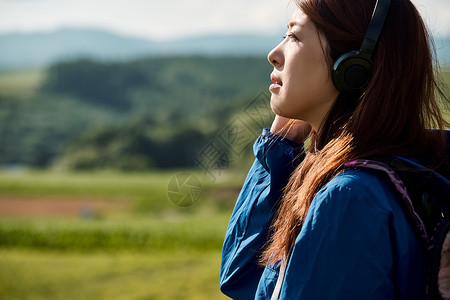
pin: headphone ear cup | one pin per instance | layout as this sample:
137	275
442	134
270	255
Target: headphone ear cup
351	73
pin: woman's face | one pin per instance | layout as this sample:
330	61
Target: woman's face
302	87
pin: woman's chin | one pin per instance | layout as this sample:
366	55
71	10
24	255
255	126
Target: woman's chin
279	108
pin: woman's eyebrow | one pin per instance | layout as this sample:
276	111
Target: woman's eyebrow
293	24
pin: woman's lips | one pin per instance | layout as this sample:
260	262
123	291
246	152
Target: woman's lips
276	83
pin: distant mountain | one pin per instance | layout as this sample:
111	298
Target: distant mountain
442	45
40	49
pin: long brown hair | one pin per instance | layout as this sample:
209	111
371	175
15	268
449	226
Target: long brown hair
390	118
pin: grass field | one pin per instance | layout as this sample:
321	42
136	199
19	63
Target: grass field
106	234
29	274
146	249
20	83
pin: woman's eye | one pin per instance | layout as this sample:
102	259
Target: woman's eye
291	36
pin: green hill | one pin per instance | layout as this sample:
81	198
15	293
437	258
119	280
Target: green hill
156	112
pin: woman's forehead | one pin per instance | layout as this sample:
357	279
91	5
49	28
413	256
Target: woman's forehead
301	21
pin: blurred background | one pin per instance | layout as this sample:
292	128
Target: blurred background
125	135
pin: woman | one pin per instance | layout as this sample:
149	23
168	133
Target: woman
334	233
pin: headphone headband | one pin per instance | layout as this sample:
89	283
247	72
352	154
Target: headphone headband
376	25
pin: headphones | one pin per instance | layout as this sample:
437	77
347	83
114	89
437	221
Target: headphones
352	71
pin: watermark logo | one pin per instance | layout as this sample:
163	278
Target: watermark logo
185	190
259	111
235	138
216	156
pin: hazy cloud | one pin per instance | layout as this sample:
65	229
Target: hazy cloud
172	18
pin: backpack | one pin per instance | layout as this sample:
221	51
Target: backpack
425	197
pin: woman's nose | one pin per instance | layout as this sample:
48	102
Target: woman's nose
275	57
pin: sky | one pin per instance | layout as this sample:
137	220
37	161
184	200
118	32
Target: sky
173	19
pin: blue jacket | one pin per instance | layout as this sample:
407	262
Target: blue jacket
356	241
